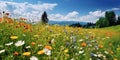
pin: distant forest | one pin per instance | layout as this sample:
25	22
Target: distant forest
108	20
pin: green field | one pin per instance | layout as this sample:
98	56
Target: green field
53	42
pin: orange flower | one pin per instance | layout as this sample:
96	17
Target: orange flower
26	53
33	43
16	53
101	46
48	47
83	44
41	52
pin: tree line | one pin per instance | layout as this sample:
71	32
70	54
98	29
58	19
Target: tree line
109	20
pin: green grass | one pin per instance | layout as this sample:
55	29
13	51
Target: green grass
113	28
100	43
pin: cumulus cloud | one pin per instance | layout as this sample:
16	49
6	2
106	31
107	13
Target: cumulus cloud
25	9
70	16
34	11
92	16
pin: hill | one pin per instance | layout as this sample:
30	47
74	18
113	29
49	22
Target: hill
113	28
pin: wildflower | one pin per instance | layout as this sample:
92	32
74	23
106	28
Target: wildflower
33	43
33	58
100	55
16	53
19	43
47	51
14	37
24	35
8	44
40	52
81	40
27	47
106	52
118	49
83	44
66	50
115	59
36	35
39	44
53	40
101	46
48	47
1	51
72	59
82	51
26	53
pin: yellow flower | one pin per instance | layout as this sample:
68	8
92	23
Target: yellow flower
26	53
118	49
41	52
115	59
14	37
36	35
66	50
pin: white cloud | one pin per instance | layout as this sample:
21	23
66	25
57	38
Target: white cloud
34	11
25	9
70	16
73	16
92	16
115	9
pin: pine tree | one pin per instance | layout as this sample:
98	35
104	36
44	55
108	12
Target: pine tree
118	21
111	17
44	18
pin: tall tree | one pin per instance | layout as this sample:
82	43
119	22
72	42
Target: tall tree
118	21
111	17
102	22
44	17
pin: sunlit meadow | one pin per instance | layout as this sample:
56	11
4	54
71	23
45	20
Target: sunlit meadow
23	41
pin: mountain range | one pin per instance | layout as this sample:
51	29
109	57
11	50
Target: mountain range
66	22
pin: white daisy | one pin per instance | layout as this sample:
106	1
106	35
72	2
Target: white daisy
28	47
8	44
47	51
33	58
1	51
81	52
19	43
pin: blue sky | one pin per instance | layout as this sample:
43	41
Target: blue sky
61	10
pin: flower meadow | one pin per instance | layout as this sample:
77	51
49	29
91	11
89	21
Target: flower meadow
23	41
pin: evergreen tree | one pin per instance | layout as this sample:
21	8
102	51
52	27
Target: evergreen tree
111	17
44	18
102	22
118	21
